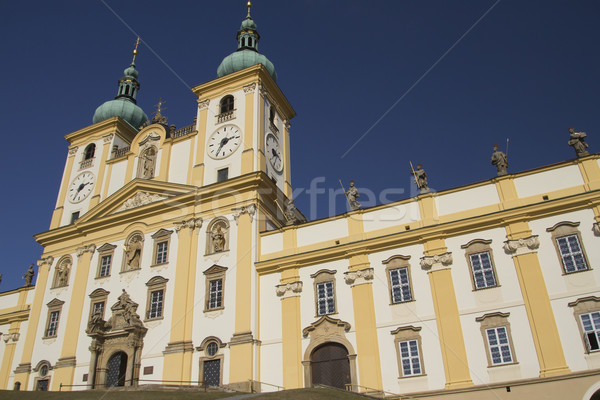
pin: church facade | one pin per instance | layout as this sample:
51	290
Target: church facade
174	256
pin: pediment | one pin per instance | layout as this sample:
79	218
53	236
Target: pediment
326	326
161	233
137	194
215	270
106	247
99	293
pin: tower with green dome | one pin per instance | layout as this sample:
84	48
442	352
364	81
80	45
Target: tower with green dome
124	105
247	53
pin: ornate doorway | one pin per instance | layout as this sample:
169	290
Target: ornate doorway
116	368
330	365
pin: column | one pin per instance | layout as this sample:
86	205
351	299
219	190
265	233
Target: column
65	366
24	368
360	278
523	247
437	263
242	342
178	353
289	291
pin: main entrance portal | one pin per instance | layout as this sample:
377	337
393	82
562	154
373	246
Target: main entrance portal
330	365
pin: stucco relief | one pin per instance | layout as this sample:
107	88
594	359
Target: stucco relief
436	262
522	246
249	209
359	277
191	223
291	289
141	199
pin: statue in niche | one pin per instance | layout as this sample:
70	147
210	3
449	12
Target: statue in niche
577	141
352	196
218	239
28	276
148	160
62	274
500	160
133	252
420	177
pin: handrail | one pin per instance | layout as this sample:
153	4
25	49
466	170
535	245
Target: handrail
350	386
263	383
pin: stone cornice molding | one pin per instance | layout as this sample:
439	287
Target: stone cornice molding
191	223
249	209
108	138
202	104
90	248
522	246
292	289
45	261
250	88
596	228
73	151
360	277
436	262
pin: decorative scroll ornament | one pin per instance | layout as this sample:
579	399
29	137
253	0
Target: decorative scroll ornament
90	248
289	289
249	209
596	228
108	137
522	246
436	262
359	277
140	199
12	337
45	261
188	223
73	151
250	88
202	104
152	137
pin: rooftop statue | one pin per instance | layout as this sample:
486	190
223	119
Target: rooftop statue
500	160
420	178
577	141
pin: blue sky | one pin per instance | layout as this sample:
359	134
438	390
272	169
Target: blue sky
454	77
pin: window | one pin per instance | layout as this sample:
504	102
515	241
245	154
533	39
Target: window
98	300
569	247
324	282
408	351
162	239
495	329
74	217
587	313
211	360
89	151
222	174
98	308
480	261
156	297
398	273
215	288
62	272
212	348
105	259
227	104
54	309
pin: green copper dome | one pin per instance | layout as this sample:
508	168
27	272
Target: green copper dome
247	53
124	105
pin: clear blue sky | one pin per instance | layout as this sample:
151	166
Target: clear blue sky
527	70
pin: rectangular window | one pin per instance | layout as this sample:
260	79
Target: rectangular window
483	272
215	288
52	324
156	304
161	252
99	306
74	216
409	357
591	329
400	285
325	298
222	174
105	265
571	253
499	345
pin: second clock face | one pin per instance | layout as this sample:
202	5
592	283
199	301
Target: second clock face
224	141
274	153
81	187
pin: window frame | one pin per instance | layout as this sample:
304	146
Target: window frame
477	247
98	296
564	229
407	334
581	306
160	237
321	277
54	306
106	250
394	263
491	321
225	103
219	355
214	273
155	285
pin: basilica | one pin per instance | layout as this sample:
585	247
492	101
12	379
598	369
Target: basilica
177	257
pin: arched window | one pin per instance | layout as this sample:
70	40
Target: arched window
89	151
226	104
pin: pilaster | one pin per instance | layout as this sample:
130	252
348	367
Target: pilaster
95	199
62	195
198	170
590	172
249	119
289	291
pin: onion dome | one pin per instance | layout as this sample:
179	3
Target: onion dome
124	105
247	53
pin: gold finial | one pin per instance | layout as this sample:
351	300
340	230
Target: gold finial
135	52
159	106
249	5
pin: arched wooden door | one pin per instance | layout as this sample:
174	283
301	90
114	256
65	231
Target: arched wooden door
596	395
116	369
330	365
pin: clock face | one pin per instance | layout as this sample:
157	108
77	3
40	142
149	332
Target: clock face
224	141
274	153
81	187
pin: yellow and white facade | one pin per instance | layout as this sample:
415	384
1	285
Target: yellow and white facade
390	296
